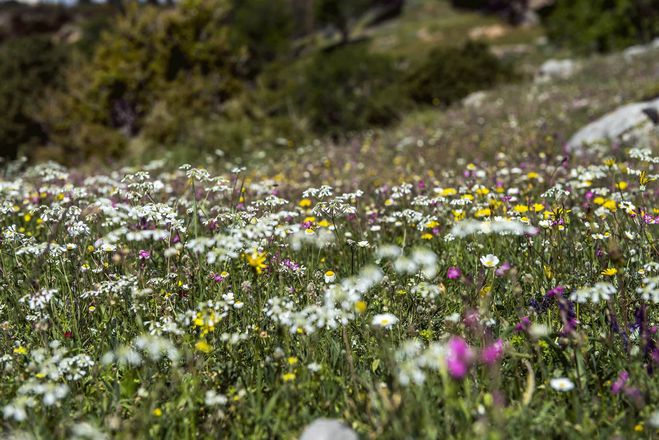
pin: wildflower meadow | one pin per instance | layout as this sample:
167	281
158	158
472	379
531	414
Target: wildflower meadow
501	299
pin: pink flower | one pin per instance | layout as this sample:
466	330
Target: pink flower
492	353
458	357
503	269
620	382
144	254
453	273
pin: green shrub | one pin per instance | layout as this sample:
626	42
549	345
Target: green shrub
265	27
602	25
348	89
28	66
449	74
153	72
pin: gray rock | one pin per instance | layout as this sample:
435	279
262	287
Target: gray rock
637	122
640	49
556	69
328	429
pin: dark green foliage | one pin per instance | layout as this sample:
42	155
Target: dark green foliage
602	25
265	27
450	74
153	76
350	88
28	66
340	13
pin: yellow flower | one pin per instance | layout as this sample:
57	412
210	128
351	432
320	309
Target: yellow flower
538	207
459	214
521	208
20	350
257	261
360	307
432	224
610	271
548	272
292	360
203	346
304	203
610	205
309	220
426	236
598	200
157	412
482	191
449	192
206	320
288	377
533	175
27	218
643	179
323	224
483	212
621	185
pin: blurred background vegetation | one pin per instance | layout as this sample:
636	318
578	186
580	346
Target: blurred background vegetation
106	81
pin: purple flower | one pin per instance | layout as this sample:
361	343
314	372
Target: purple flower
523	324
458	357
144	254
556	291
503	269
620	382
453	273
492	353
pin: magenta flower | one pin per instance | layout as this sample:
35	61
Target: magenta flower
556	291
458	357
144	254
523	324
453	273
492	353
620	382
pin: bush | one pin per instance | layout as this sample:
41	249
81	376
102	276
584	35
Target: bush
450	74
265	27
602	25
350	88
28	66
153	72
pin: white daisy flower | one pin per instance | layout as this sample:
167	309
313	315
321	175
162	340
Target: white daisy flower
490	261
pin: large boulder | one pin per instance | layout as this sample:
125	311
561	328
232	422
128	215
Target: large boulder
328	429
637	123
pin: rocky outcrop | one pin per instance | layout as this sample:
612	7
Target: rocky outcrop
636	123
